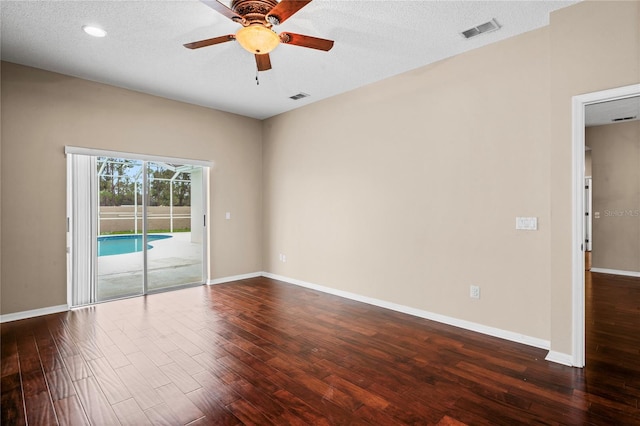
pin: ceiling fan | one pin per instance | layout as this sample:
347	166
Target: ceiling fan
258	17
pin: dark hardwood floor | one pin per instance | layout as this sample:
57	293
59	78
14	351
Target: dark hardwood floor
261	352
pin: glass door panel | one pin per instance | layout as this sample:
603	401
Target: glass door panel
174	223
120	255
134	226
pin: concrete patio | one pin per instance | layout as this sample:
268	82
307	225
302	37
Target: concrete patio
171	262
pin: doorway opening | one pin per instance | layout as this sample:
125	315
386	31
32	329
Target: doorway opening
579	243
137	225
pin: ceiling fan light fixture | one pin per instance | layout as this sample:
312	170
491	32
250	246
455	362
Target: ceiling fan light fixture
257	39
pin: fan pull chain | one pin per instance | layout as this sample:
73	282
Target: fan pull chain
257	80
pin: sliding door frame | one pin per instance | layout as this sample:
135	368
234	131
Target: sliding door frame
206	166
145	224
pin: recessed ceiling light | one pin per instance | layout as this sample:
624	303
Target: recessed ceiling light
94	31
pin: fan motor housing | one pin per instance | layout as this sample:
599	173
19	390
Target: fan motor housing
253	10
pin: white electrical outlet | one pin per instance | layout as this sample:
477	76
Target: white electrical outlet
474	292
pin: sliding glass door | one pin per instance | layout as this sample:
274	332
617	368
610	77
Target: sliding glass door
119	236
174	233
136	226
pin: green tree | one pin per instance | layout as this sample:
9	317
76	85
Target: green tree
182	190
160	187
116	180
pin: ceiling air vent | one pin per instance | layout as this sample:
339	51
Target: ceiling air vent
615	120
487	27
299	96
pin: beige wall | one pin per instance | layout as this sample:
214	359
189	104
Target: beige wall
406	190
616	195
594	46
42	112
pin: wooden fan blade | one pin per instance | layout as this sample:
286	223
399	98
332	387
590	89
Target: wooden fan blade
286	8
222	9
209	42
263	61
306	41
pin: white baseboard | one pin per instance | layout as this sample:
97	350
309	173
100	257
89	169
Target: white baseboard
467	325
62	308
552	356
234	278
616	272
33	313
560	358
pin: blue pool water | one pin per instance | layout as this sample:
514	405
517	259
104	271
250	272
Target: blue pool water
109	245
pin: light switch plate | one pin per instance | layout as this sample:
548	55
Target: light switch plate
527	223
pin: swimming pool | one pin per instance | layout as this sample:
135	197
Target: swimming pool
109	245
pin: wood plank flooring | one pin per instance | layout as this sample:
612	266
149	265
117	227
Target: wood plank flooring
262	352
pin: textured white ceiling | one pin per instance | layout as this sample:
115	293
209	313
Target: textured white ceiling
143	49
